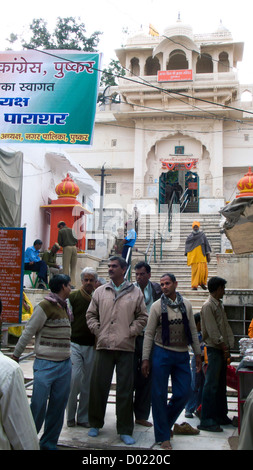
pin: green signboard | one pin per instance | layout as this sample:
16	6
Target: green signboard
48	96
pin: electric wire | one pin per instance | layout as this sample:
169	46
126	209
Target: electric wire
116	75
148	84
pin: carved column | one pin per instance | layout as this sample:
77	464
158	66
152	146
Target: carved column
139	161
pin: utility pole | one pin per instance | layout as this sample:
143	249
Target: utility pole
102	175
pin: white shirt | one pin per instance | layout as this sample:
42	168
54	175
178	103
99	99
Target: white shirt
17	428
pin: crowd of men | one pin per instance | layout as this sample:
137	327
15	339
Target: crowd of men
142	331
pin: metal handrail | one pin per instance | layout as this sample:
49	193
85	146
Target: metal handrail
172	199
22	358
183	194
128	258
183	201
153	242
152	239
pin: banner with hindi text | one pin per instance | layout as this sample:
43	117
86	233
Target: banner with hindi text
48	96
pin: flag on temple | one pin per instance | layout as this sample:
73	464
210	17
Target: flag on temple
153	31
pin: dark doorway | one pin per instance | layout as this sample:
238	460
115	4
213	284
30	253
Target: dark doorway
192	186
168	183
185	183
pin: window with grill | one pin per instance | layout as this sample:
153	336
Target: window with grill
110	188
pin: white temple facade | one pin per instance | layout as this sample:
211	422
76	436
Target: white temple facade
177	117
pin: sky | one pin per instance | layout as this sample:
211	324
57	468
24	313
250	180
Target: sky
113	16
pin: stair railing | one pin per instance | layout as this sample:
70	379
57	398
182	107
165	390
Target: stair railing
172	201
22	358
167	228
152	247
128	260
184	200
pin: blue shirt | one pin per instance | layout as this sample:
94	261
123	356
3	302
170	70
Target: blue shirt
131	237
32	255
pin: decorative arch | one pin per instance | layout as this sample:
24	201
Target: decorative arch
177	60
135	66
223	64
154	169
246	96
204	64
152	66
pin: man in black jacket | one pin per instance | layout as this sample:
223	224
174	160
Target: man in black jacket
142	385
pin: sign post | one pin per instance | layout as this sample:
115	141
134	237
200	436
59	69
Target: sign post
12	249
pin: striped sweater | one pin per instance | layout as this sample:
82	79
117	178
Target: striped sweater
50	325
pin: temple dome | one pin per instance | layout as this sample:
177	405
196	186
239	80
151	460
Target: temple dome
179	29
245	185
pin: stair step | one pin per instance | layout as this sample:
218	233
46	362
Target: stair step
174	259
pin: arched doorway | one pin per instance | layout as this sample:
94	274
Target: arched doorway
192	191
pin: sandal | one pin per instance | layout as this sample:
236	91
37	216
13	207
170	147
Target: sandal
166	445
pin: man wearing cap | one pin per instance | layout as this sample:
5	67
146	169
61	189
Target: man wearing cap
197	250
49	257
68	241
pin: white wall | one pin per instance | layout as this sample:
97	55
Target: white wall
43	168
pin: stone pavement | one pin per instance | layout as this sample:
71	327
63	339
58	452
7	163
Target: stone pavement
76	438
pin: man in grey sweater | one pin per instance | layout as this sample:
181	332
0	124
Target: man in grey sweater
50	323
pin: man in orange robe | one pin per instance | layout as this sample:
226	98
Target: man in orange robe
197	250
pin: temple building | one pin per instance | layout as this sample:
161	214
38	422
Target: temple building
177	120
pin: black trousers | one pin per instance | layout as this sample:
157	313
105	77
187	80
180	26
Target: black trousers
39	267
104	364
142	385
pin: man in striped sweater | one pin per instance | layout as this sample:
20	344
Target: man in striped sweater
50	323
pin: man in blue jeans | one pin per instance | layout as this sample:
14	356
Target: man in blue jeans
219	339
171	327
50	323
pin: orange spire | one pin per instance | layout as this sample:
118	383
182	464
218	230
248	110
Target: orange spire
245	185
67	188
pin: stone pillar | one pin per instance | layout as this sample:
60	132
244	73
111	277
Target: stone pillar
216	164
215	201
139	163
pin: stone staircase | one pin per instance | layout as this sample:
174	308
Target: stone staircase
173	258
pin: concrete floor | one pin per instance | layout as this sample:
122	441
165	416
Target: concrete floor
77	437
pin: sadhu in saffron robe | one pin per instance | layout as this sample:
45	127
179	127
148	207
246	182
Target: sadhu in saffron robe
197	250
